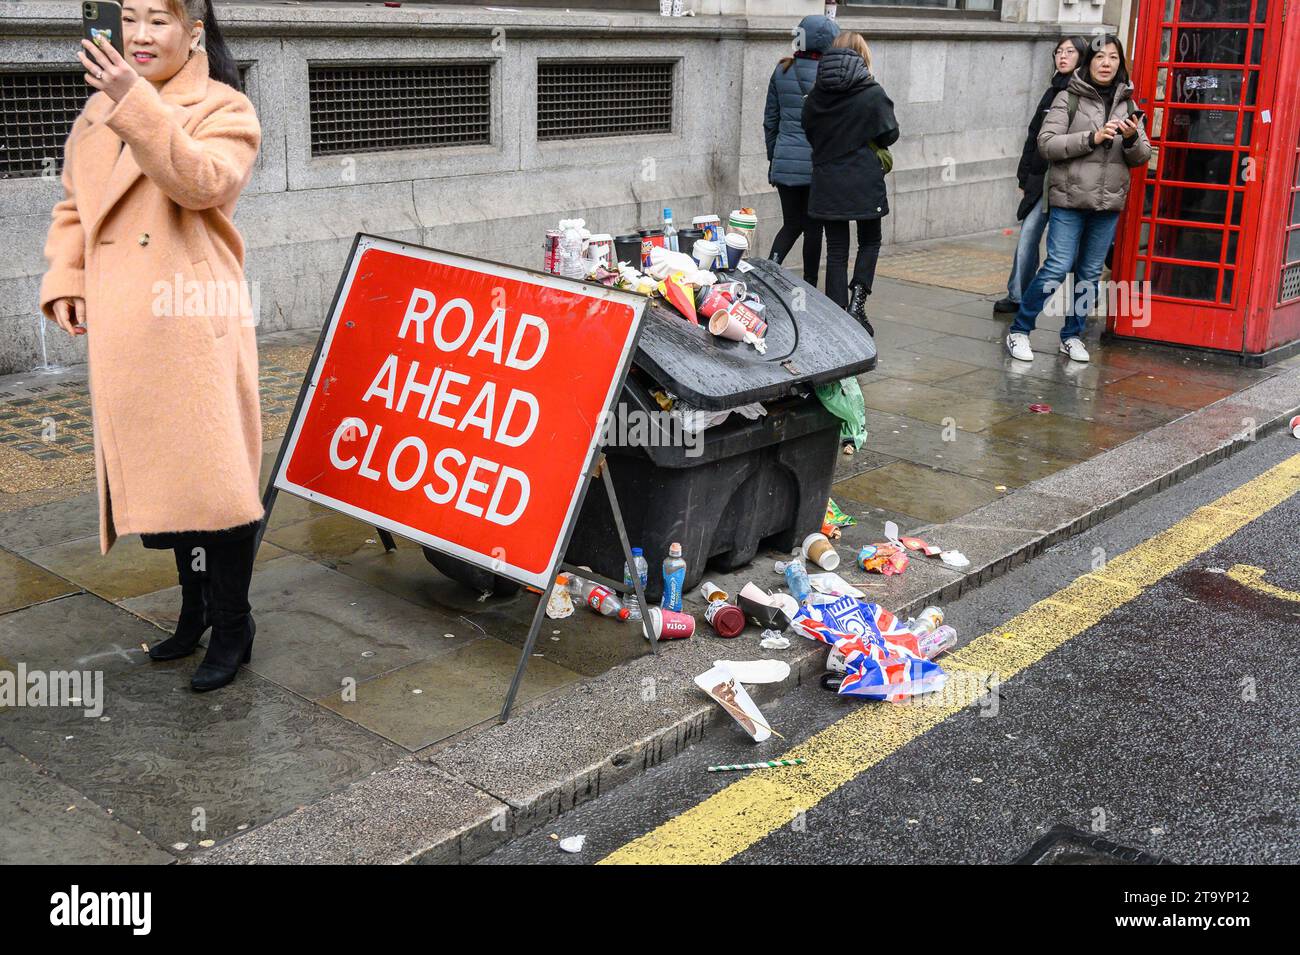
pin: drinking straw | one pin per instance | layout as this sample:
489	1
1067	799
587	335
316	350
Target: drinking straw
770	764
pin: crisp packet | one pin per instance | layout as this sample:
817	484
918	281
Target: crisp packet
880	655
835	519
884	559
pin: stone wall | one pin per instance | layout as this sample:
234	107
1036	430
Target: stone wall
963	89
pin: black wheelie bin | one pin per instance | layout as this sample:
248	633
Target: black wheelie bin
740	485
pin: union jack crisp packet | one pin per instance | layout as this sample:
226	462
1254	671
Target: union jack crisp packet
880	654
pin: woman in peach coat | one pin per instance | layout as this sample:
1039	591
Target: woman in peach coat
145	261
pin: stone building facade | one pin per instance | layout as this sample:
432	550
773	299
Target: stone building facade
475	128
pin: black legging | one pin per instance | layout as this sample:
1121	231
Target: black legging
837	258
796	222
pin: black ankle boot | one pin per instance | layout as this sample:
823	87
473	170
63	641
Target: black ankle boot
857	307
194	620
230	569
227	649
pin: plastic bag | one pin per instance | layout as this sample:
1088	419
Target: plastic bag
844	400
880	655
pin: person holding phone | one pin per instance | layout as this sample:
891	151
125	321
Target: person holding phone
1030	175
1091	137
145	261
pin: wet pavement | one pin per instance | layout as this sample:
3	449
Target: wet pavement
950	431
1169	726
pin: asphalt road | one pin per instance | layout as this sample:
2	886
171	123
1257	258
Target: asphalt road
1170	725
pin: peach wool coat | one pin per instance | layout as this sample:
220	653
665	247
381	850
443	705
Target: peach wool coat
144	235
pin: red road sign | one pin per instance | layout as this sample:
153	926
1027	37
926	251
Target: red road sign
459	402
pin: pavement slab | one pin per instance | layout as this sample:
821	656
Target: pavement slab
160	756
41	818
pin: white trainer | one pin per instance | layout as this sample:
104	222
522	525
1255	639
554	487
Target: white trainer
1074	348
1018	345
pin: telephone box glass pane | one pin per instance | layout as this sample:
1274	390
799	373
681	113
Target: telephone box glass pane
1211	45
1184	281
1193	205
1211	87
1184	242
1214	11
1213	166
1211	126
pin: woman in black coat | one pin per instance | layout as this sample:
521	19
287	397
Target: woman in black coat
1032	212
847	118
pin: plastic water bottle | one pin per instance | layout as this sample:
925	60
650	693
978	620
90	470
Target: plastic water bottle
603	600
642	571
571	249
796	578
670	231
674	578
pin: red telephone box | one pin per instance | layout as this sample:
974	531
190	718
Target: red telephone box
1216	232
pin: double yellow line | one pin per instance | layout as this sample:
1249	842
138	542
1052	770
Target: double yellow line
737	817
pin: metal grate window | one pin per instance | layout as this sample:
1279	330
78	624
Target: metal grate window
588	100
37	110
378	108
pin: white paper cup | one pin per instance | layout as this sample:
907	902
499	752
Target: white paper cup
820	551
705	253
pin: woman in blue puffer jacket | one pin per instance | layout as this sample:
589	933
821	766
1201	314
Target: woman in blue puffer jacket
788	153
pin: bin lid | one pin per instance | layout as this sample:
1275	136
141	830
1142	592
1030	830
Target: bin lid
810	340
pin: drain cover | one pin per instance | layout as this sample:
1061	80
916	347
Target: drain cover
1065	845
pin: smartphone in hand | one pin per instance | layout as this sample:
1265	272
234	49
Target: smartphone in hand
103	18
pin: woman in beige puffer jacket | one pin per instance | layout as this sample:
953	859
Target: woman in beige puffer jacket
1092	154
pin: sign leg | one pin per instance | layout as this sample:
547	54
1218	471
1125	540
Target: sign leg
538	616
386	539
627	553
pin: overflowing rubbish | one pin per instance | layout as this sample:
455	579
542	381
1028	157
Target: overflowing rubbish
844	400
796	578
767	610
774	640
754	672
629	583
573	844
770	764
886	559
674	571
833	585
723	687
881	657
818	549
679	266
560	602
670	624
835	520
598	597
726	619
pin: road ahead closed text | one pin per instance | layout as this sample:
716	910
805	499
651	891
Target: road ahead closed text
459	403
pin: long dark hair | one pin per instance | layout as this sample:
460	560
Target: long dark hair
1099	43
1080	46
221	65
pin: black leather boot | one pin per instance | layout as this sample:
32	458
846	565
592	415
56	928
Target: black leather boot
193	621
857	307
230	567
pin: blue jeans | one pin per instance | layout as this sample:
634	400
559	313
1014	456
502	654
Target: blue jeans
1025	262
1078	239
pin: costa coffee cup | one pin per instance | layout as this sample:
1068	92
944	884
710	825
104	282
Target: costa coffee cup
705	253
712	302
670	624
817	548
727	620
737	244
725	325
